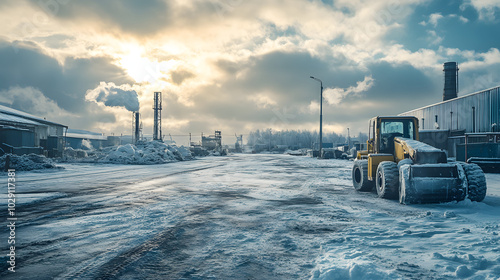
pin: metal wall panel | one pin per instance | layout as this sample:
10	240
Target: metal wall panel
457	114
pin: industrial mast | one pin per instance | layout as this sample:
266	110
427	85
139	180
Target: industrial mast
157	117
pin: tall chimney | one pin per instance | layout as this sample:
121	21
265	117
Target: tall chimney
137	129
450	80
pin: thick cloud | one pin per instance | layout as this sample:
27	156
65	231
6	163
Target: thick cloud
66	84
335	95
37	83
240	65
404	84
33	101
131	16
30	100
285	76
274	90
179	76
488	10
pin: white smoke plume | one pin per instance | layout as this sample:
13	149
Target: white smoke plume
112	95
87	145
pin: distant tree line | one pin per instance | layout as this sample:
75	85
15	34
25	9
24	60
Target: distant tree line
296	139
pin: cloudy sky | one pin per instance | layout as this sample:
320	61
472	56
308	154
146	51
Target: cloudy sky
239	65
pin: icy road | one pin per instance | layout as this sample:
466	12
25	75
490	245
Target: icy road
240	217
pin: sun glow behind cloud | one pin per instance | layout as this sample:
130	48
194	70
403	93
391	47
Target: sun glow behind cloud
240	62
144	69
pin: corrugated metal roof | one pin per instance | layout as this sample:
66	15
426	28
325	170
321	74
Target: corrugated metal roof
28	117
16	119
86	136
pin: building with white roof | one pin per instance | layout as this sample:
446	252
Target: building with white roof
22	133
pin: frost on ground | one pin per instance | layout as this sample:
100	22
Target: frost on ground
455	240
152	152
242	217
26	162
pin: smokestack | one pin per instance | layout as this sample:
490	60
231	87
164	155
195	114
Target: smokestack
137	129
157	117
450	80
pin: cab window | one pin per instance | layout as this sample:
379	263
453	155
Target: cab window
389	129
399	128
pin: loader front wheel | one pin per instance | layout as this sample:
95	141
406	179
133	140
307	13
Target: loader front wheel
476	181
360	176
387	180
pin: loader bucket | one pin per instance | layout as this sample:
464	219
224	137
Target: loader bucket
432	183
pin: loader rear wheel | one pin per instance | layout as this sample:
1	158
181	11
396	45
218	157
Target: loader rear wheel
476	180
360	176
387	181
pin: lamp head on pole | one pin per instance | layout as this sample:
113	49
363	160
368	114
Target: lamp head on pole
316	79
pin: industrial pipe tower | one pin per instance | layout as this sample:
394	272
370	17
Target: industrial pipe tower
136	127
157	117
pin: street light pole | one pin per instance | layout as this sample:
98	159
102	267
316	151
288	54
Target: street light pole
320	116
348	140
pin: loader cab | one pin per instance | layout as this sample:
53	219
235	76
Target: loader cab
383	130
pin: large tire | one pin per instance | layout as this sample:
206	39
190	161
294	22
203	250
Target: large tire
360	176
387	180
476	181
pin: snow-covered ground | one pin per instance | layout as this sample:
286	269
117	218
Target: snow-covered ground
241	217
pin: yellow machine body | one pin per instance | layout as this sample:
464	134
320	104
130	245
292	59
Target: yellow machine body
382	131
396	163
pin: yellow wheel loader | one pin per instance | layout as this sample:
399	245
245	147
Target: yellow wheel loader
397	165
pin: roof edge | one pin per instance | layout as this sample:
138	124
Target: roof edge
451	100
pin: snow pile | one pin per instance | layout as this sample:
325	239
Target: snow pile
153	152
185	152
355	271
75	153
301	152
27	162
419	146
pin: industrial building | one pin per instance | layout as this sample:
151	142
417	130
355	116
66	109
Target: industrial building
22	133
86	140
212	142
475	112
467	126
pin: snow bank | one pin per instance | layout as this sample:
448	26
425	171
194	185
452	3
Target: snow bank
419	146
152	152
75	153
356	270
185	152
27	162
